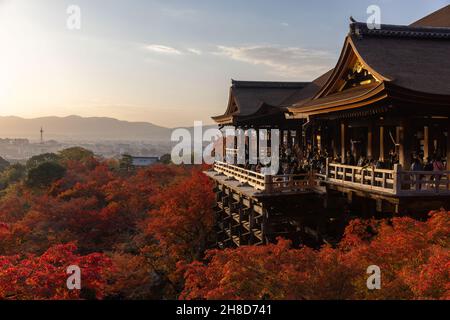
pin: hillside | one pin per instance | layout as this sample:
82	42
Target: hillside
80	128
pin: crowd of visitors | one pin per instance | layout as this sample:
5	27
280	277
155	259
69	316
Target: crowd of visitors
297	161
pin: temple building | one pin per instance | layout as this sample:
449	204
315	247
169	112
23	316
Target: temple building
372	135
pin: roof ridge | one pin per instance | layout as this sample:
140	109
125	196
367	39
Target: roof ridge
400	31
268	84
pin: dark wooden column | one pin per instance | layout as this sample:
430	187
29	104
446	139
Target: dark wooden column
343	140
404	139
335	141
381	143
426	142
400	140
333	148
289	139
369	141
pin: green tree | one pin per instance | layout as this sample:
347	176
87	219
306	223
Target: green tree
44	174
126	162
12	174
3	164
34	161
165	158
76	154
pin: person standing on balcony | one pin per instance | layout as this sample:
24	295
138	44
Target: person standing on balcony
393	158
350	159
428	166
438	166
417	166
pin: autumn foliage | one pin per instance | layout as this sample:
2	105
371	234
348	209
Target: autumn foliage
148	234
126	230
44	277
413	257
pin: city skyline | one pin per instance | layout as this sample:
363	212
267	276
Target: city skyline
167	63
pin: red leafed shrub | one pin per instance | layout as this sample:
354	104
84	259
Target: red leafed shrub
44	277
183	218
413	256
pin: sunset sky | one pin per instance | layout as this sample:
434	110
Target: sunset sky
168	62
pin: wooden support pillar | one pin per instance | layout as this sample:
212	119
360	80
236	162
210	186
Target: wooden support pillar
381	143
400	137
289	139
343	141
404	141
319	141
333	148
426	142
369	141
313	138
335	141
251	222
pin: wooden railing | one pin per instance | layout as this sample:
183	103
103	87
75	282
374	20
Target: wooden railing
265	183
423	183
369	178
396	181
255	179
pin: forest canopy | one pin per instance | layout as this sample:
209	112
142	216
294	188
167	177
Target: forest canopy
148	234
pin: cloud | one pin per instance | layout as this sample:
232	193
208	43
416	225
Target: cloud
166	50
194	51
282	61
285	24
158	48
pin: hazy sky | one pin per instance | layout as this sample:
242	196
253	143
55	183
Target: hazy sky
168	62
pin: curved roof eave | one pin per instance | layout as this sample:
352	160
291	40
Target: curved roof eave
346	52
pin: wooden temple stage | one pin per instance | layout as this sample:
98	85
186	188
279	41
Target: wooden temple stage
387	100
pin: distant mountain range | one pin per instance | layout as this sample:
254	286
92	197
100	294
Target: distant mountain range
80	128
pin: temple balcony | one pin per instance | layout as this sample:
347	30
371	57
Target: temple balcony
395	182
256	184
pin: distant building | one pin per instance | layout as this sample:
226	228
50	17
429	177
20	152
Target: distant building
143	161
